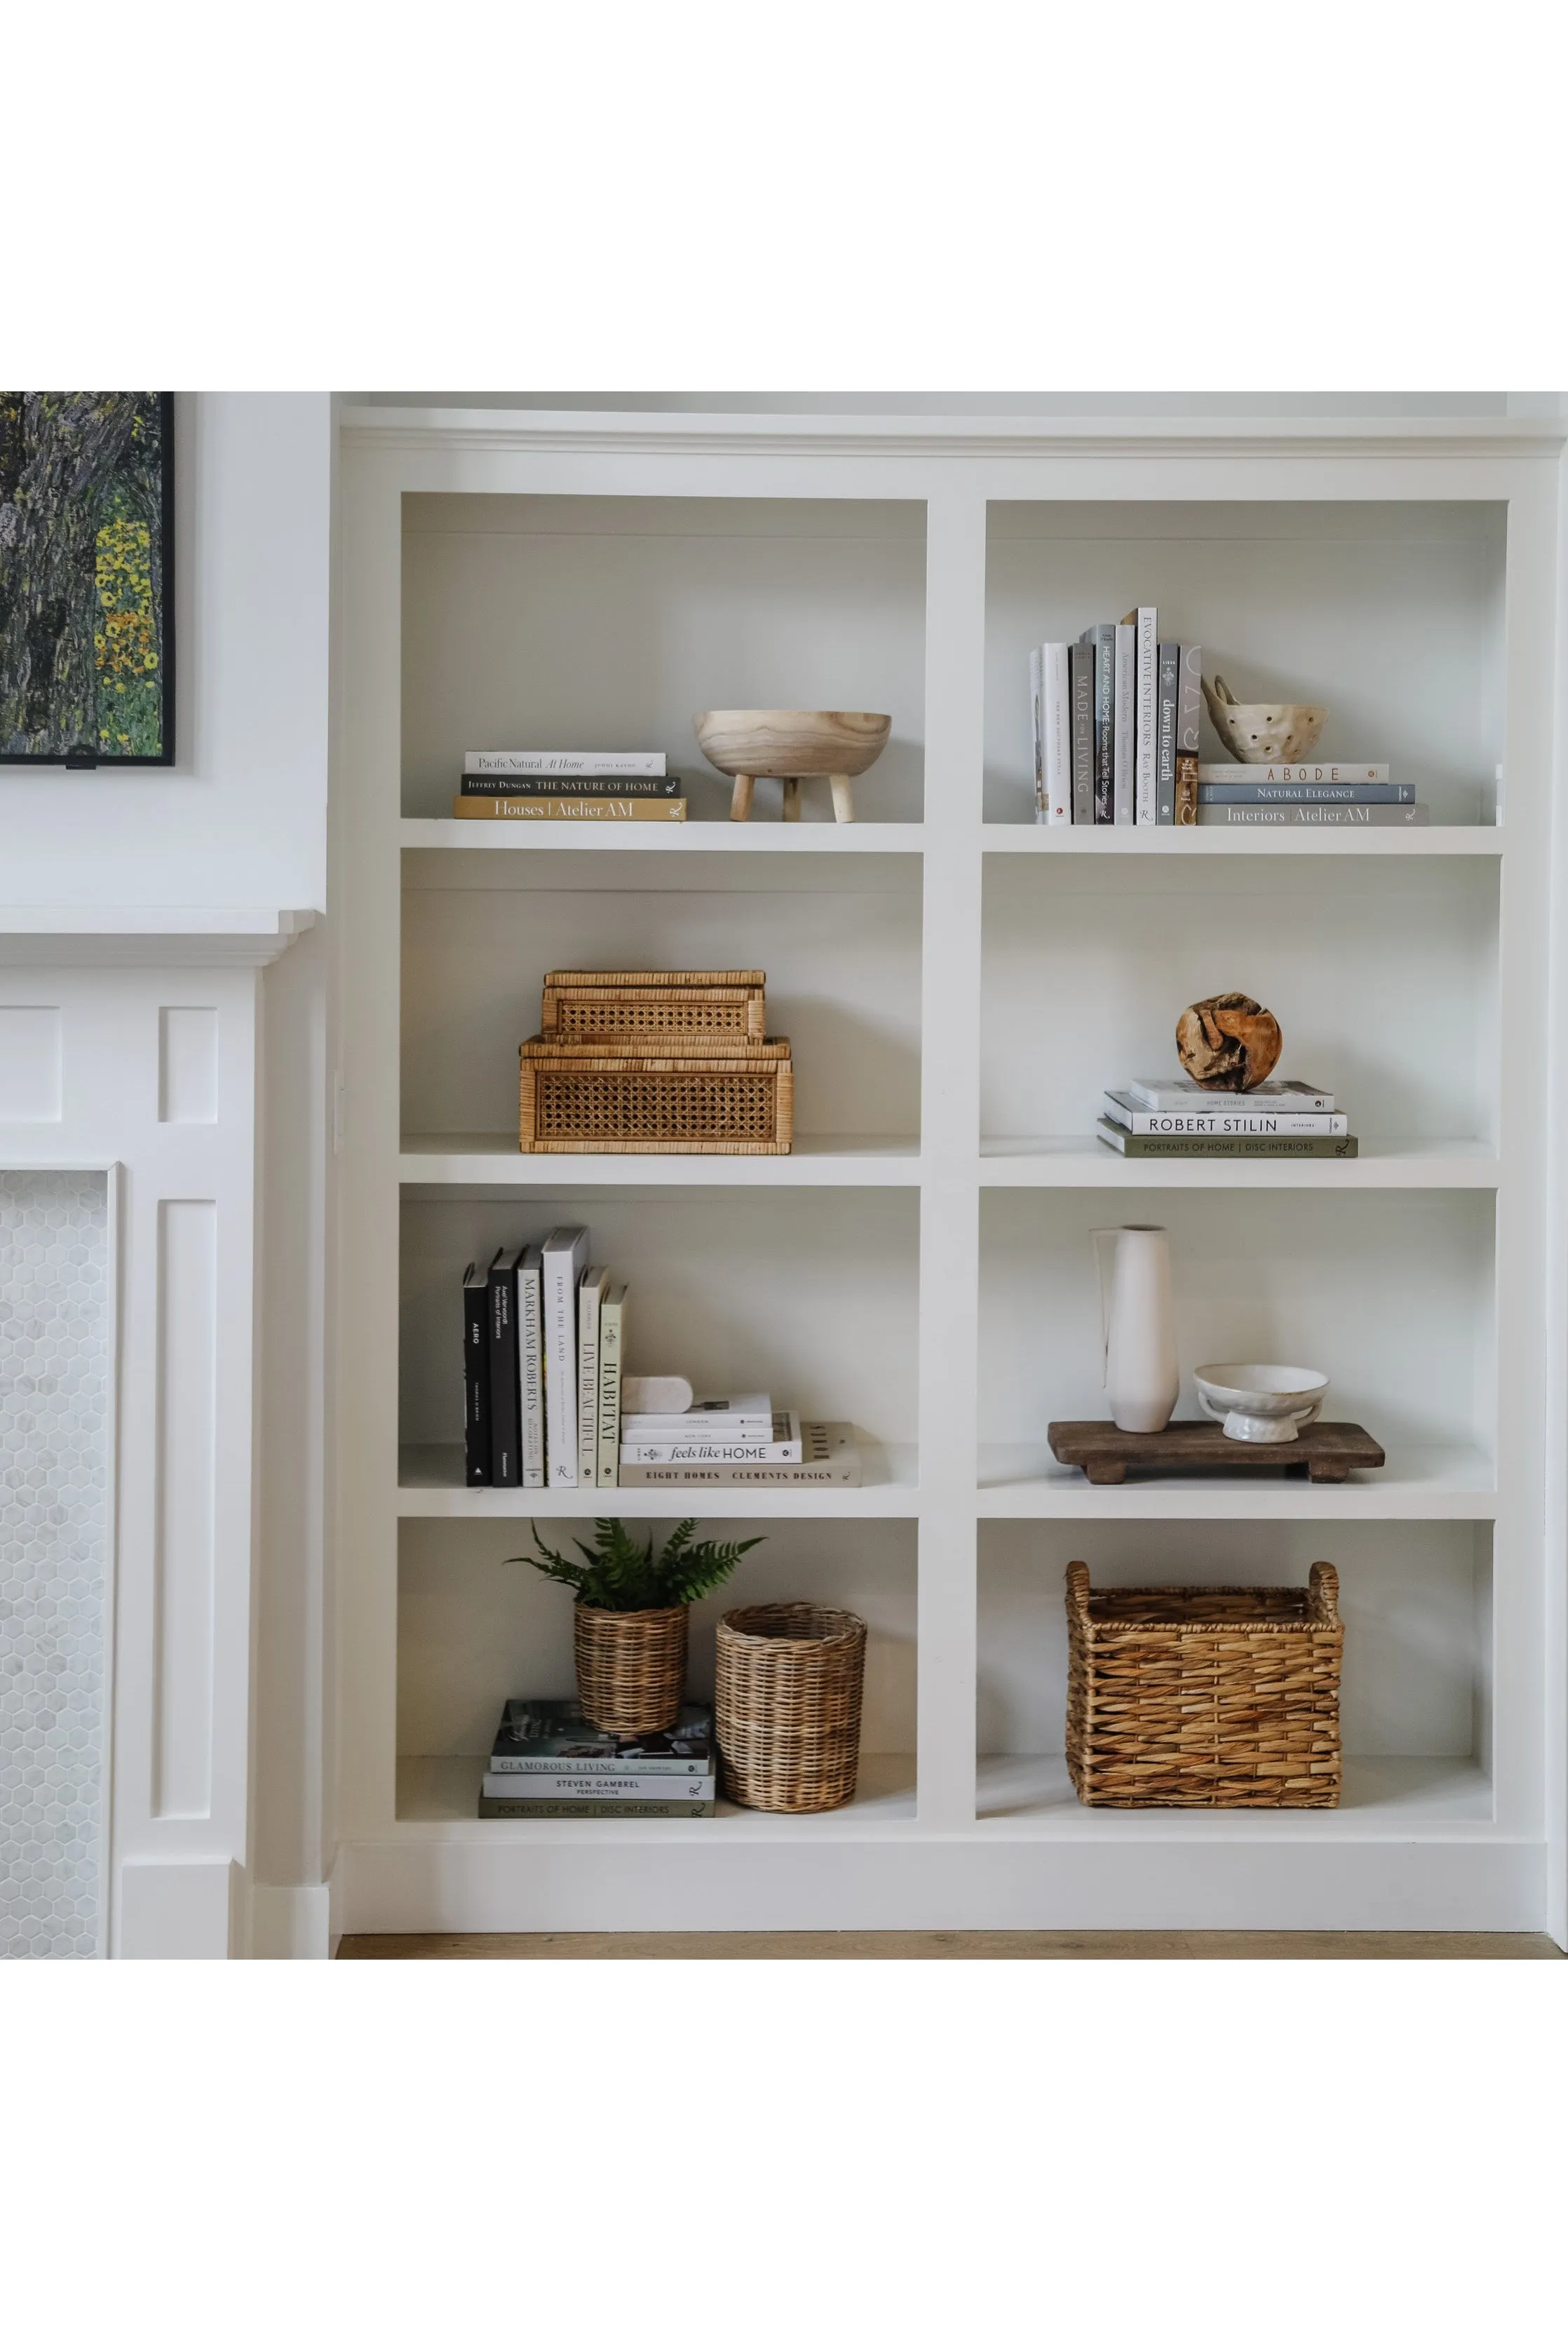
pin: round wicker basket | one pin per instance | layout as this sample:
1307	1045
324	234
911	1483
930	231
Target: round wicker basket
787	1705
631	1666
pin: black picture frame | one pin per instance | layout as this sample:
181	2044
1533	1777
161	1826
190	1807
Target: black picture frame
87	757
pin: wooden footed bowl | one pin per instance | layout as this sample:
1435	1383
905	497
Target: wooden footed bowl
791	743
1259	732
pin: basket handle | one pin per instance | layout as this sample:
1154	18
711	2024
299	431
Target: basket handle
1323	1585
1078	1586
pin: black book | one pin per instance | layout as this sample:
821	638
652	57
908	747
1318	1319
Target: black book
1080	691
572	788
477	1375
1167	714
1103	637
506	1414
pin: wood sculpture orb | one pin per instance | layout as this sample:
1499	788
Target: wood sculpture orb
1228	1043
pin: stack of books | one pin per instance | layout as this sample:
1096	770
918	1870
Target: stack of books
1323	792
570	787
1172	1118
548	1763
1115	721
544	1339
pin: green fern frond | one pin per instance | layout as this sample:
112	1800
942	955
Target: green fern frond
619	1574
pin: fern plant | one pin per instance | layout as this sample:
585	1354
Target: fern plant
619	1574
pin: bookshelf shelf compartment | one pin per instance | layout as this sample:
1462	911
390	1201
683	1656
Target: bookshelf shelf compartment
438	1797
494	1161
430	1486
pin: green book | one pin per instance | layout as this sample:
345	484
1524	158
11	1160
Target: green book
1227	1147
591	1808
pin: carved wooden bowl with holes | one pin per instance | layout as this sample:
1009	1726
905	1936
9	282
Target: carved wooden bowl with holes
1256	732
790	743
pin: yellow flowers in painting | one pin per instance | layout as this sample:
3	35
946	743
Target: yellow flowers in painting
86	660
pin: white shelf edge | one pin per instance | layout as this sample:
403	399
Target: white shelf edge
437	1796
1211	840
816	1160
1422	1797
149	935
430	1486
699	837
1070	1162
1419	1482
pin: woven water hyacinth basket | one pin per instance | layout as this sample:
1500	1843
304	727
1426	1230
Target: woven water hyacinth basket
787	1705
656	1004
631	1666
1217	1697
698	1094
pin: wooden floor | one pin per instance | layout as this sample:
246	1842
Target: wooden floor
949	1945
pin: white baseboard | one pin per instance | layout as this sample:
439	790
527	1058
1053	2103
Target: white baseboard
290	1922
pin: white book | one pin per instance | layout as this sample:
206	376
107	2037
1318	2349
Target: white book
784	1446
1124	767
1058	730
634	1430
1309	771
564	1256
563	763
1232	1118
1186	1093
531	1364
591	1292
611	1354
1037	727
559	1787
1148	730
707	1416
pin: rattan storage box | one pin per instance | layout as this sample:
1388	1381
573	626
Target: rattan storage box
704	1094
659	1005
1222	1696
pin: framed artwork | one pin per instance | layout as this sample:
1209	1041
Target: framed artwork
86	579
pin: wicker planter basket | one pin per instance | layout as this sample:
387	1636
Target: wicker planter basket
787	1706
631	1666
656	1004
701	1094
1219	1698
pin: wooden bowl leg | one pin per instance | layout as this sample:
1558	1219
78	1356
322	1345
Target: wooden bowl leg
791	799
740	801
844	800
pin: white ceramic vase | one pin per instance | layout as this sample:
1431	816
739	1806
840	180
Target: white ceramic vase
1138	1325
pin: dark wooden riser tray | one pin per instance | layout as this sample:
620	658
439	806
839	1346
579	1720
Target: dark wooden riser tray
1326	1453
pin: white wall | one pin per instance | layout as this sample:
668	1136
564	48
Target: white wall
241	820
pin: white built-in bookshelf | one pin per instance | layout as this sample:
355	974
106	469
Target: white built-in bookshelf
959	987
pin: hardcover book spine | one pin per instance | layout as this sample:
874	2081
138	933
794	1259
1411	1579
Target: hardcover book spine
1167	716
564	1254
1189	717
844	1469
568	1785
678	1768
1345	819
1037	727
476	1376
590	1299
1225	1121
1058	724
1148	713
612	1346
1227	1147
505	1431
564	763
504	1808
531	1366
1103	638
1306	795
1123	792
1310	771
1080	682
568	809
534	788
